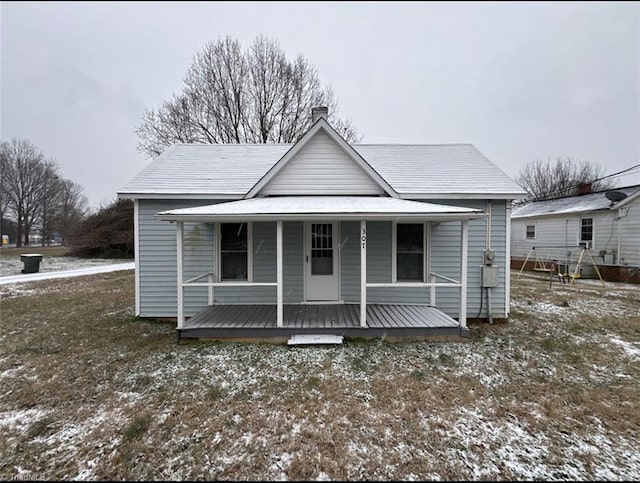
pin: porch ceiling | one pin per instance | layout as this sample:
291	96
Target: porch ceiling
320	207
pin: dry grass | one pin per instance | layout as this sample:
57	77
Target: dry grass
92	392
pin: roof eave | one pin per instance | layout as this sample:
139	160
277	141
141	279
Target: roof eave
180	196
627	201
561	213
418	217
457	196
239	196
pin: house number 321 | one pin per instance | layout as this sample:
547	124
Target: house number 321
364	238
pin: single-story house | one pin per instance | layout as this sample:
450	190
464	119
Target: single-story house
322	237
605	223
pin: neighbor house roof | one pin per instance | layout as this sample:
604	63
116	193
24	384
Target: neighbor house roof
307	207
573	204
230	171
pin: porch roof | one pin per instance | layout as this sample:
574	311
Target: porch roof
320	207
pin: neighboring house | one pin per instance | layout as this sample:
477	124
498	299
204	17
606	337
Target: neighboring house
607	223
322	237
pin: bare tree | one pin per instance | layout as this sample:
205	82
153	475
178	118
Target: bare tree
549	180
49	188
34	194
71	208
22	183
236	95
6	168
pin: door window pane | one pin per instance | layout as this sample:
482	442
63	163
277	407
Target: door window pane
321	249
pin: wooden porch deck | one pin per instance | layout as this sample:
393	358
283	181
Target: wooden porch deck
259	321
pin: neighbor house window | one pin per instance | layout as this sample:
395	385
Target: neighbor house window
531	232
234	250
410	252
586	232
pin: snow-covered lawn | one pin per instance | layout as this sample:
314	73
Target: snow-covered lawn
16	281
12	265
91	392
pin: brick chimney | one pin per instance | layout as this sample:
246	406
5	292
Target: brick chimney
584	188
318	112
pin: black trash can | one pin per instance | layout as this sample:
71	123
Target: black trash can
31	262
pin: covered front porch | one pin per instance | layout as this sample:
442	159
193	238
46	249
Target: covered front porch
340	302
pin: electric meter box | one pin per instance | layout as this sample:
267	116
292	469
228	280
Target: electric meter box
489	257
489	276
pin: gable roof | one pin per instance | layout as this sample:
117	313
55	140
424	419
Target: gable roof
574	204
230	171
321	125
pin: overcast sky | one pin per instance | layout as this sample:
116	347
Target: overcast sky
519	81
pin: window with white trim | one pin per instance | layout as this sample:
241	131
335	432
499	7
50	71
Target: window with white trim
234	251
410	252
531	232
586	232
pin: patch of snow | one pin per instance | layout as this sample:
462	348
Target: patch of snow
10	372
20	420
78	272
84	475
628	347
546	308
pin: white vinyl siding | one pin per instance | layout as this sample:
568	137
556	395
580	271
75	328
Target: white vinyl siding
555	231
630	235
558	237
321	168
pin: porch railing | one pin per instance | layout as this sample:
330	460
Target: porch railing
432	284
229	283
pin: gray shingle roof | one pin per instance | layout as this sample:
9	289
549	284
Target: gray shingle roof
437	168
233	169
206	169
571	204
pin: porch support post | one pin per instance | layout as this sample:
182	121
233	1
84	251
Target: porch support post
432	290
363	273
210	296
279	272
464	248
180	273
211	277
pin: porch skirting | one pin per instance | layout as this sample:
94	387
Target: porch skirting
259	321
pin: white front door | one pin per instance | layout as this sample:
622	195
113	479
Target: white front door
321	261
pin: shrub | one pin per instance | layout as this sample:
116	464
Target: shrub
106	234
